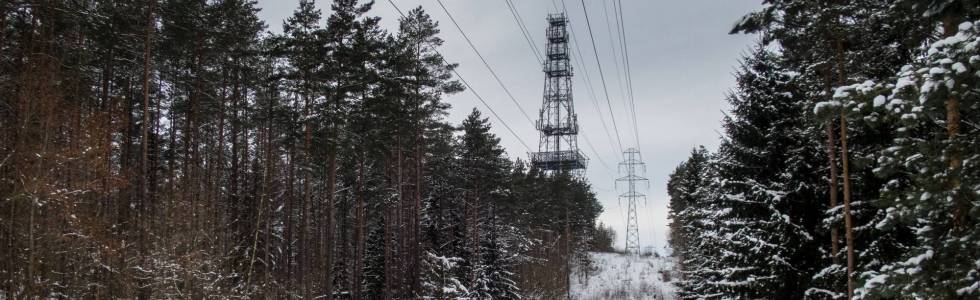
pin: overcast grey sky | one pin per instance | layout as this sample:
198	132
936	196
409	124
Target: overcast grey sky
681	59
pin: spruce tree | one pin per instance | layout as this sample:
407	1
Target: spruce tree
699	216
925	193
682	186
763	178
827	44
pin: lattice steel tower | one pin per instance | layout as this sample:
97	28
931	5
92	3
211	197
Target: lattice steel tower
631	165
558	146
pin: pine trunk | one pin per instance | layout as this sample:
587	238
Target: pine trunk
304	243
389	227
265	199
400	219
215	189
190	148
144	292
832	177
290	211
416	257
359	235
848	226
962	206
328	238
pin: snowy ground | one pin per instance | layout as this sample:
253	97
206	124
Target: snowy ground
617	276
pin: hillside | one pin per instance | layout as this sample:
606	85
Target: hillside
617	276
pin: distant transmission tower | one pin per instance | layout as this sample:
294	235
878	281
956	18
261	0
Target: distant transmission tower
632	164
558	146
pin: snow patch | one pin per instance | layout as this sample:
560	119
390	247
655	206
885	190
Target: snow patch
625	277
879	101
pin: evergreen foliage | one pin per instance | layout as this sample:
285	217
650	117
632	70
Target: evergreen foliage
750	220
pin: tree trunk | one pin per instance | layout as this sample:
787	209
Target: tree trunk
264	197
416	257
240	210
268	189
328	231
31	262
145	291
832	177
304	243
290	208
848	226
215	189
400	218
389	222
962	206
359	235
190	149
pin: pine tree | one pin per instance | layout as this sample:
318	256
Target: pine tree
483	173
304	45
171	149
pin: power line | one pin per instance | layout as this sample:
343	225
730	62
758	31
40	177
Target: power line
621	20
591	89
555	3
524	31
601	75
629	76
592	93
620	78
597	156
477	51
470	88
595	100
615	51
588	78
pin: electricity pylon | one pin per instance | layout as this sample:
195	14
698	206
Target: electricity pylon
631	165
